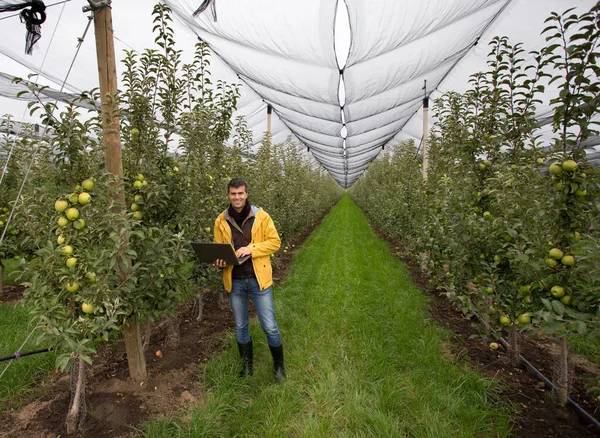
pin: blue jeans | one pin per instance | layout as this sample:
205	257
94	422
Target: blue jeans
263	303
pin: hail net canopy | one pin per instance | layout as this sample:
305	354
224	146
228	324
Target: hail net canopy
345	78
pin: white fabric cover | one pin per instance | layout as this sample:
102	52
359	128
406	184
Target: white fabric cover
283	52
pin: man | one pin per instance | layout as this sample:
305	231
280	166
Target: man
252	232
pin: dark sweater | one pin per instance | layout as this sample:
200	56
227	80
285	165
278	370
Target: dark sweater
242	236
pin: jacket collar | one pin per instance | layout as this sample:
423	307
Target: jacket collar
253	210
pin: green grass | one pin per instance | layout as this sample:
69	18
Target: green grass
361	358
10	265
588	347
24	374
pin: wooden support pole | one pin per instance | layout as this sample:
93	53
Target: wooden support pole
107	72
269	111
425	137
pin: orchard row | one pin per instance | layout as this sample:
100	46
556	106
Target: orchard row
505	221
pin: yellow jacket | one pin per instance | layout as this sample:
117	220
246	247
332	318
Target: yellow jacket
265	241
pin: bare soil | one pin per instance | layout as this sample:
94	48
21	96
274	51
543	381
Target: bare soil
11	293
115	405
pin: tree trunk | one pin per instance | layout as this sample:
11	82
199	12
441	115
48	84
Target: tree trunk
223	300
562	378
135	354
514	348
423	268
147	336
76	416
200	303
173	333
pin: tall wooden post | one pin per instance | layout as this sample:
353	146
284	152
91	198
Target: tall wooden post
269	111
425	134
107	72
425	137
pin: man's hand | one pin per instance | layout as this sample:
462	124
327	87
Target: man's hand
243	251
219	263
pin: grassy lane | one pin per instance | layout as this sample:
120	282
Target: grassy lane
362	359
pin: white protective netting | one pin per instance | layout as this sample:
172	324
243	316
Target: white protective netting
284	54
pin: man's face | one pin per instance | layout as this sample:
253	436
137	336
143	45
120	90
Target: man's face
237	197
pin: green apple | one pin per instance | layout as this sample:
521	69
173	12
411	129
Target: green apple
88	184
555	169
487	215
137	215
138	185
556	254
524	289
505	320
60	239
73	198
84	198
569	165
557	291
524	319
63	221
568	260
566	300
61	205
79	224
494	345
90	277
72	287
72	213
139	177
87	308
135	207
71	261
67	250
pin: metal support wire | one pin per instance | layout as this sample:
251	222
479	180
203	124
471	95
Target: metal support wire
20	348
35	151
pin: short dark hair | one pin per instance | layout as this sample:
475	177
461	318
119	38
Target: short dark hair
237	182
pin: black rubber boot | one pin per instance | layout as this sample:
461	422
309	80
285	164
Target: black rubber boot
247	359
278	368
